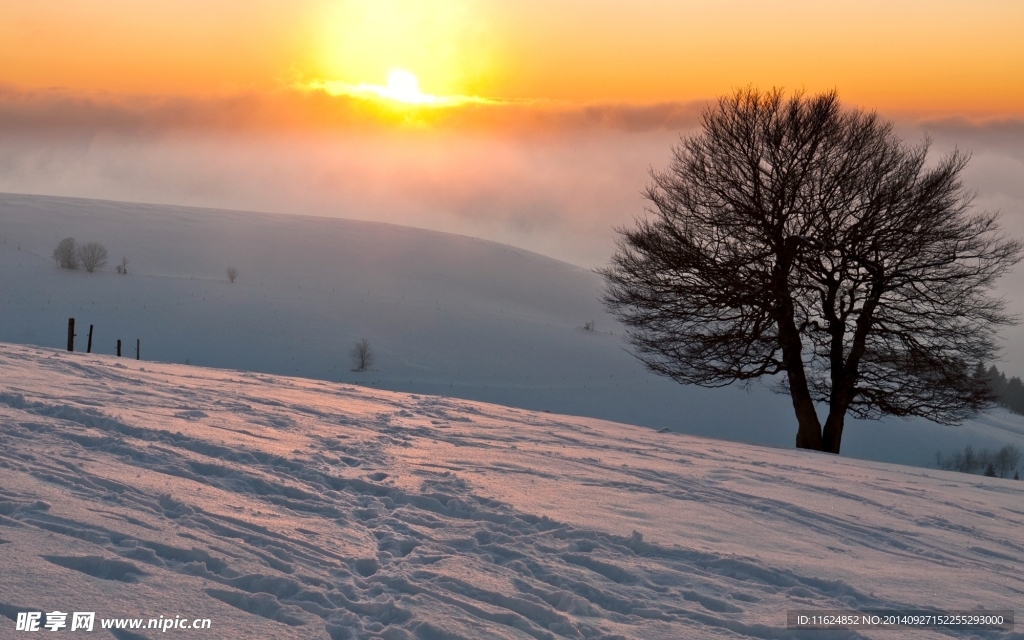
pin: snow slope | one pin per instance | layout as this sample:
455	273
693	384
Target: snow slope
445	314
293	508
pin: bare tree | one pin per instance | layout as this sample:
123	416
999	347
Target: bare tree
793	238
1006	459
92	255
123	267
66	254
232	273
362	355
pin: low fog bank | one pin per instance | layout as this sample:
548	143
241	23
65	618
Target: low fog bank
996	175
546	176
560	197
446	315
554	179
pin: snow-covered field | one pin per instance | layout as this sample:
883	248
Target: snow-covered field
284	507
446	315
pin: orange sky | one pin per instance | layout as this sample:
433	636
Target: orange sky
926	56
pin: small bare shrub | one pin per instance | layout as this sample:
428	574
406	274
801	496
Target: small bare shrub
232	273
362	355
92	256
588	326
66	254
123	267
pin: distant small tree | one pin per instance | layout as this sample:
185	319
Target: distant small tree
362	355
588	326
232	273
1006	459
66	254
92	256
990	471
970	460
123	267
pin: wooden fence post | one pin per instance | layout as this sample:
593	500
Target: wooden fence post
118	348
136	348
71	334
88	348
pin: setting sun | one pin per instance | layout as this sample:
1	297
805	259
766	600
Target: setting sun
402	87
402	50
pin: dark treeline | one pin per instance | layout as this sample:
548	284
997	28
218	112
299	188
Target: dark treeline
1008	392
992	463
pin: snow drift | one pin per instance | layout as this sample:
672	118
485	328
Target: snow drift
292	508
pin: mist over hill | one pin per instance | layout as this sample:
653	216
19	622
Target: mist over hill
444	314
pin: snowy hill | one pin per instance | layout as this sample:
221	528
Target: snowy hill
445	314
291	508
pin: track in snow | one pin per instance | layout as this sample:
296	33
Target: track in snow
288	508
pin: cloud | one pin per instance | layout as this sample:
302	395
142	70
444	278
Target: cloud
548	176
317	109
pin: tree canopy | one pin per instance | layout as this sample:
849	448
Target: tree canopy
791	237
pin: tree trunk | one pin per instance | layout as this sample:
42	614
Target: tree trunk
808	435
833	433
845	374
842	398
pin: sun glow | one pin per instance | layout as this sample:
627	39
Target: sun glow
402	88
405	54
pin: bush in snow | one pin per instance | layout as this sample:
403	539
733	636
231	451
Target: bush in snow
66	254
123	267
232	273
92	256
